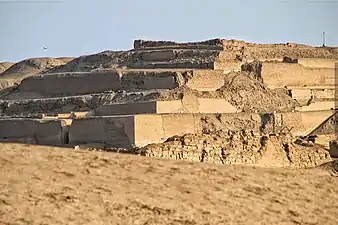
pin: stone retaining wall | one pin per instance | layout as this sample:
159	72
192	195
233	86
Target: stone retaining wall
190	105
32	131
279	75
112	131
144	129
139	130
71	84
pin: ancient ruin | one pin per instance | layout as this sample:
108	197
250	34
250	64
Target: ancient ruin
215	100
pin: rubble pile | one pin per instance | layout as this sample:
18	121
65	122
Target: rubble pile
239	147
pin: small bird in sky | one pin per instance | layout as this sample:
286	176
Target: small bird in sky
44	47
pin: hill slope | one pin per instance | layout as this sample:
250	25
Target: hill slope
4	66
33	66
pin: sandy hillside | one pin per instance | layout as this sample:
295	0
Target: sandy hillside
13	73
45	185
4	66
33	66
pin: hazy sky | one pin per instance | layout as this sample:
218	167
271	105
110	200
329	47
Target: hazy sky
78	27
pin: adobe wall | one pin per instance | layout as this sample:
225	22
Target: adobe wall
189	104
324	140
58	85
148	44
275	51
243	147
313	119
50	105
214	105
60	105
324	92
168	55
202	80
71	84
140	130
112	131
54	85
147	80
278	75
172	106
317	62
179	64
302	123
227	65
143	129
319	105
244	50
31	130
126	109
168	125
329	126
164	55
205	80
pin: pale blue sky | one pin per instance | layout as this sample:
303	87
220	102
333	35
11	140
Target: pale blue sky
79	27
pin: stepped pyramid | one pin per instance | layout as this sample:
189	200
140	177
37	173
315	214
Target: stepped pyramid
160	89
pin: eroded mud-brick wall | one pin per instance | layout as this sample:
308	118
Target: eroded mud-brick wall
242	147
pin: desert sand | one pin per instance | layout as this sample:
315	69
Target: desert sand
49	185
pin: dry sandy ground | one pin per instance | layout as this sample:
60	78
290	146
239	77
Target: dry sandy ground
45	185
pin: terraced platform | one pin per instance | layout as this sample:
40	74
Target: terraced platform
125	131
188	104
80	83
34	131
161	89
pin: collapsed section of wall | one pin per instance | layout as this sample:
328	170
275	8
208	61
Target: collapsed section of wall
140	130
31	131
328	126
168	125
242	147
300	123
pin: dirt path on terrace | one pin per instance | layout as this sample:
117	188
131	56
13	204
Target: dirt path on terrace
45	185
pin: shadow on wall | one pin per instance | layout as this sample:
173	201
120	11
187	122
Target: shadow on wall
336	95
254	68
60	137
31	131
266	119
108	132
